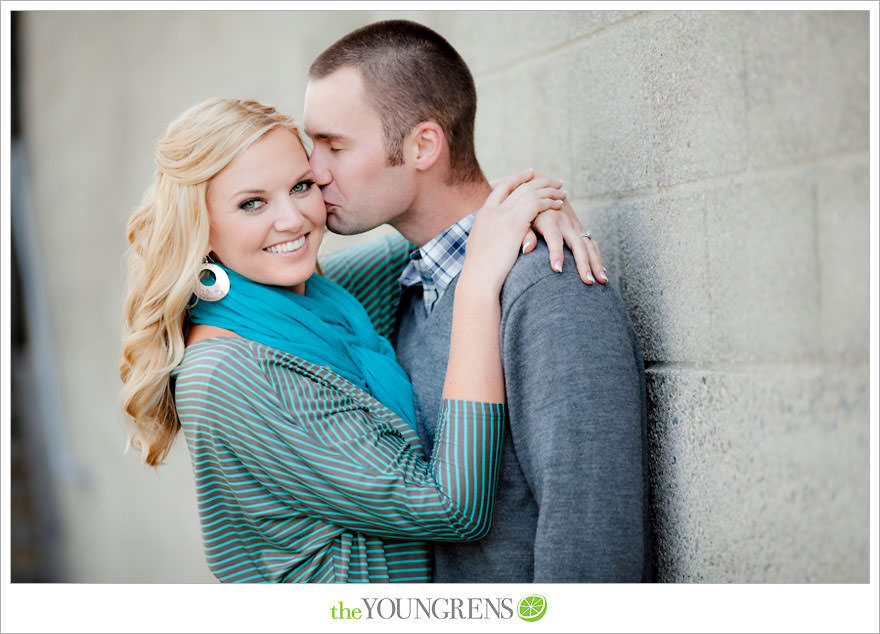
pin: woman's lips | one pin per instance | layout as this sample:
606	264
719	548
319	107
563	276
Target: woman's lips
288	246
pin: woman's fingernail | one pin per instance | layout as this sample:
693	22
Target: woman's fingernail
557	266
590	277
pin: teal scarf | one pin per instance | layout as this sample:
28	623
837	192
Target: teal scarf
326	326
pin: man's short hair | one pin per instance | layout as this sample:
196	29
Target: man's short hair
411	74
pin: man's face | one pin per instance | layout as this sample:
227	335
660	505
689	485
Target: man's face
360	190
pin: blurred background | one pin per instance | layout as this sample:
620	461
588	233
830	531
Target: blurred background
721	158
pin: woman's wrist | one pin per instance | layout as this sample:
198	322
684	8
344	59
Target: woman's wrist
478	286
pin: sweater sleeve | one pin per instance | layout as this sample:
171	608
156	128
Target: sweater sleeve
575	386
369	271
317	450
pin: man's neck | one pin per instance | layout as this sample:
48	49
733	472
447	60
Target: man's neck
440	207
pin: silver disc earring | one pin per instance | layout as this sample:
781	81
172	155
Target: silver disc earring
215	291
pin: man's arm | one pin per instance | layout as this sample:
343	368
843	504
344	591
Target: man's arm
575	388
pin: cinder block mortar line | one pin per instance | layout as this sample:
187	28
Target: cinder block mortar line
843	155
748	176
540	56
733	367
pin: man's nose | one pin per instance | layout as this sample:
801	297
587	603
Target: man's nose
319	169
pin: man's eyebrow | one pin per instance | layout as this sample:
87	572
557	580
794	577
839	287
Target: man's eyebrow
326	136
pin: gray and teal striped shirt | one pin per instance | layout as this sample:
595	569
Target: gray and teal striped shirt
302	476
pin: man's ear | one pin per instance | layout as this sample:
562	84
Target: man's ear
425	144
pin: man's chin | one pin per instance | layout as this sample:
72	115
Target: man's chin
337	228
336	225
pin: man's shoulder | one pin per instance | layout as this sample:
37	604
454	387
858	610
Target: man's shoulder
531	280
541	308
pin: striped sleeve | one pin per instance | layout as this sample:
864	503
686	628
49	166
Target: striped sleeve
369	271
319	451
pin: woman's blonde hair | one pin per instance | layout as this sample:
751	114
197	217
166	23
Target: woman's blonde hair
168	239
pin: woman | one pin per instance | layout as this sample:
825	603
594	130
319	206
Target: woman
298	419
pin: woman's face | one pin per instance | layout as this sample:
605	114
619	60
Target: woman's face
267	214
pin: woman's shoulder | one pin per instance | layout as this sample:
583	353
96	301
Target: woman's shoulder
226	378
220	365
235	361
217	352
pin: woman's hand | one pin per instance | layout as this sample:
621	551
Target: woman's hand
564	227
561	228
501	225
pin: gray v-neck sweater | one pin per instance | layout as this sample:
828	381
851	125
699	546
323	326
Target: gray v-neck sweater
572	504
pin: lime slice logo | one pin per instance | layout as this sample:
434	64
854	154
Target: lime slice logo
532	608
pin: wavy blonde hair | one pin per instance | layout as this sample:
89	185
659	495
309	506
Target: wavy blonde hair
168	239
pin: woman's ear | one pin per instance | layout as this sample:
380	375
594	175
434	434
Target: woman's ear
425	144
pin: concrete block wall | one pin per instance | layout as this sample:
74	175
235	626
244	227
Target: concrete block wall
721	158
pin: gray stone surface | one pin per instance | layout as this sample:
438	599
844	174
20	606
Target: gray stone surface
699	113
665	274
535	133
807	83
843	227
610	113
760	474
491	41
764	268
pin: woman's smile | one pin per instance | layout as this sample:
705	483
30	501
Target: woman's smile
287	247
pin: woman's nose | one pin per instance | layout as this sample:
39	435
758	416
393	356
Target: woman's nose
289	217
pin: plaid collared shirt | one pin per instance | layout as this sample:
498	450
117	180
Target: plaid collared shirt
437	263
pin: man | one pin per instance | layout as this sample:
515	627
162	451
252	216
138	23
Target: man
390	109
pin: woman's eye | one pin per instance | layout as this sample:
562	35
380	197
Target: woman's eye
251	204
302	186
